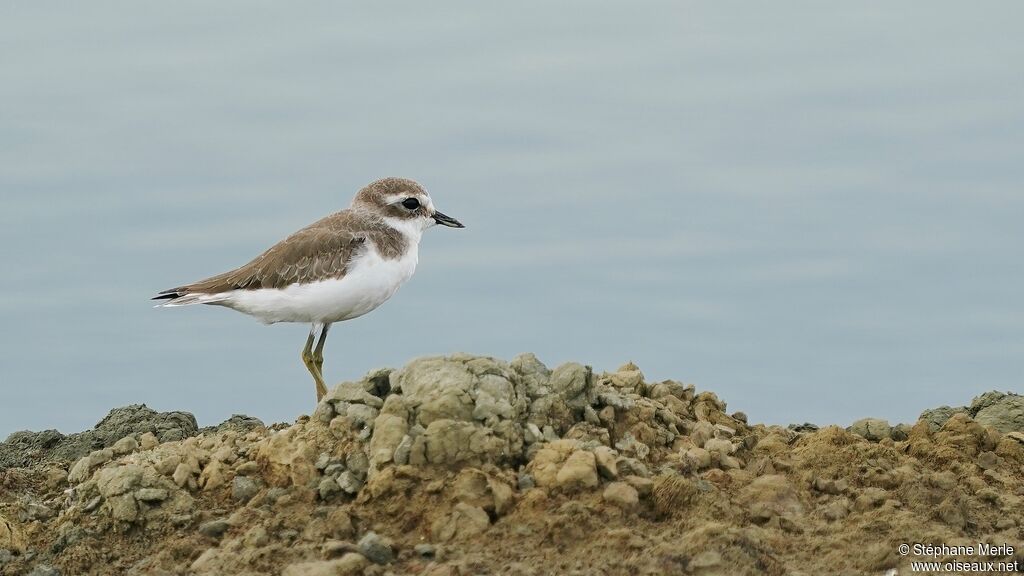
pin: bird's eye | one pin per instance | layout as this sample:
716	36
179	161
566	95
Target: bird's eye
411	203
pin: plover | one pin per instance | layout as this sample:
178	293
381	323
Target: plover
335	269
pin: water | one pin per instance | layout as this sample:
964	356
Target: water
813	210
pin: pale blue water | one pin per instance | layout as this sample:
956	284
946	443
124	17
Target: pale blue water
814	210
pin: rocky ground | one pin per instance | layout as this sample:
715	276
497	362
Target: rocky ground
472	465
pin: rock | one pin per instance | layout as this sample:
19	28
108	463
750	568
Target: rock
937	417
31	511
21	449
771	496
1004	412
579	471
427	551
182	474
463	522
125	445
572	382
704	560
11	536
871	497
621	495
604	457
873	429
44	570
214	528
349	482
243	488
123	507
151	495
988	460
148	441
327	488
643	486
350	564
376	549
719	446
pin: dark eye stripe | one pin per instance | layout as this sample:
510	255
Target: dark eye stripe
411	203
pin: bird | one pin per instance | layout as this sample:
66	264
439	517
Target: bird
338	268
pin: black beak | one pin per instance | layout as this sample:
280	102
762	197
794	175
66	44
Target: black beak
447	221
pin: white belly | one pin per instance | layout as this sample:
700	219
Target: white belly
369	282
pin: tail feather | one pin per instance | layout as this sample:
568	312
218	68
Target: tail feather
181	297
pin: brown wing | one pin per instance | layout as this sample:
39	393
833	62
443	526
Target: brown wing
318	252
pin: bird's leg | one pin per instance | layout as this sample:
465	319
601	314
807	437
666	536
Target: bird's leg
318	355
314	370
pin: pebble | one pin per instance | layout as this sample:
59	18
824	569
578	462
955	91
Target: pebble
125	445
376	549
349	483
621	495
243	488
214	528
44	570
427	551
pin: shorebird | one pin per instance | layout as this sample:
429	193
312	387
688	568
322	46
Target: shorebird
337	268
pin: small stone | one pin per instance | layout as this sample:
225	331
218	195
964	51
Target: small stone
643	486
376	549
337	548
525	482
988	460
123	508
93	504
403	450
706	559
579	471
248	468
699	457
243	488
425	551
719	445
871	497
358	464
151	494
328	487
622	495
182	474
36	511
214	528
148	441
349	483
125	445
873	429
44	570
605	459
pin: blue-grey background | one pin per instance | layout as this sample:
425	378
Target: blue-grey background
813	209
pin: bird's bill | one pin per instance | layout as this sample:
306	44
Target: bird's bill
447	220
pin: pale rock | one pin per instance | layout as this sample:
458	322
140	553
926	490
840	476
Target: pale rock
621	495
578	471
605	460
376	548
148	441
125	445
464	521
720	446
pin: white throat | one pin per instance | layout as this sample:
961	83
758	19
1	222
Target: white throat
410	229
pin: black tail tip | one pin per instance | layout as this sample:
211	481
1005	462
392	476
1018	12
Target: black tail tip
168	295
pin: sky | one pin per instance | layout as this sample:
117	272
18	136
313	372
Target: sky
814	210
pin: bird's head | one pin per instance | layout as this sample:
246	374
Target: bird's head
403	203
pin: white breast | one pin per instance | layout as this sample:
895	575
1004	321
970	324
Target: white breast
369	282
